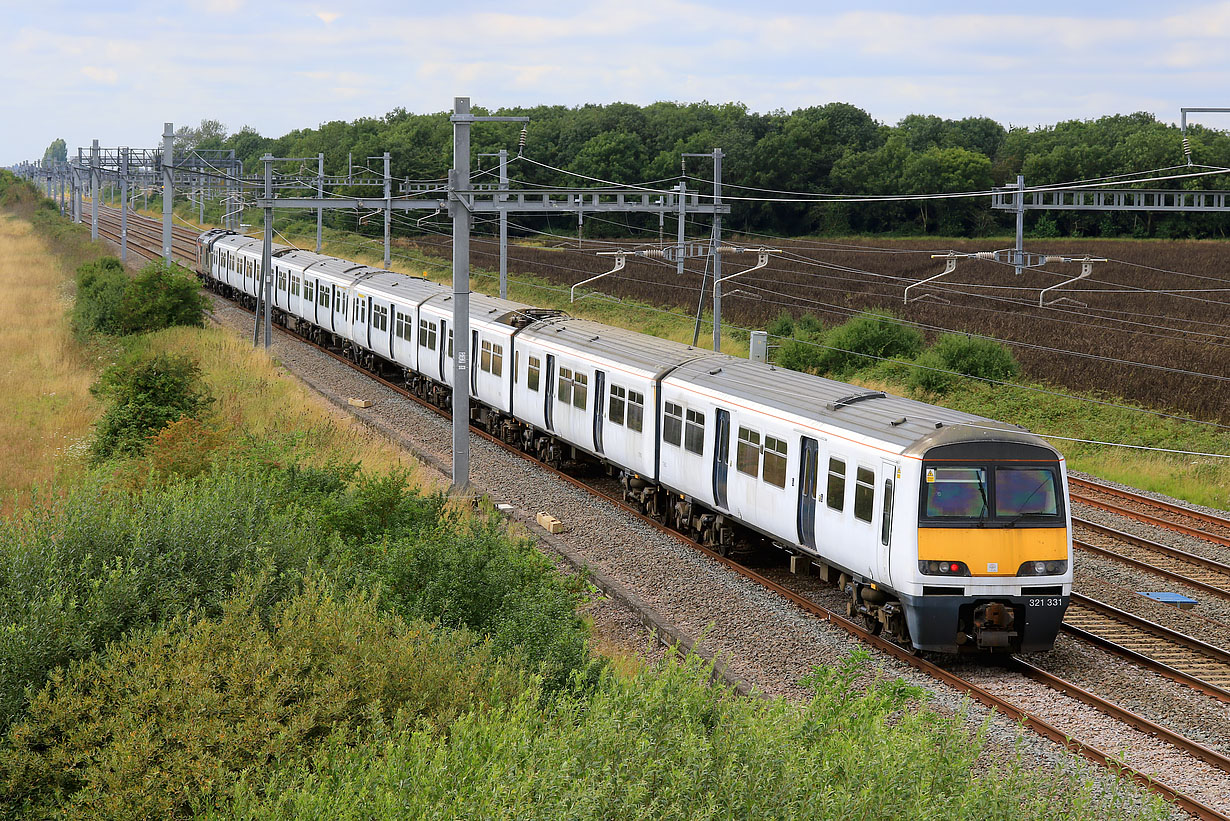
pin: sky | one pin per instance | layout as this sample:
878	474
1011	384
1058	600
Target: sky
70	70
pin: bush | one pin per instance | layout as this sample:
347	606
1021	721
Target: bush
163	719
87	569
979	358
145	394
667	744
101	287
798	355
472	574
782	326
162	295
858	343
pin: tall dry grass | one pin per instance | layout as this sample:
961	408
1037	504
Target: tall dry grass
255	395
45	405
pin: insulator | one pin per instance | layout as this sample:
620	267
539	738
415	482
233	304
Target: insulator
521	140
655	253
985	255
1187	147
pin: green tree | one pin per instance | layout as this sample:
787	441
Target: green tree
56	152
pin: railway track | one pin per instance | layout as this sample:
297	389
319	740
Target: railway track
1201	525
981	694
1202	666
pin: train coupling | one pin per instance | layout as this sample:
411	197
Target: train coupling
993	625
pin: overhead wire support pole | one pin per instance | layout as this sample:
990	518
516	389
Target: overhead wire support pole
715	243
123	205
388	210
1020	223
168	186
262	288
320	194
459	205
94	191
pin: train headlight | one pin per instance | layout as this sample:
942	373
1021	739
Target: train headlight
1053	567
934	568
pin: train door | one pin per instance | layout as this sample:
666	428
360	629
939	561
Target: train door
599	405
474	354
549	394
443	347
721	457
888	475
808	484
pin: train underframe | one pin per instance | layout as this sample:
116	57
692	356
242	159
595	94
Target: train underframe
945	623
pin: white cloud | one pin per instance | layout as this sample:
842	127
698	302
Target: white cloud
104	76
328	16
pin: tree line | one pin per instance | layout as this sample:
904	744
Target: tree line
832	149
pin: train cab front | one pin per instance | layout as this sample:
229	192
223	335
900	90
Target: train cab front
994	563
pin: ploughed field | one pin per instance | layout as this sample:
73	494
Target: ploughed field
1172	331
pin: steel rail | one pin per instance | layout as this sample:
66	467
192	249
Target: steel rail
1149	544
1152	568
1157	521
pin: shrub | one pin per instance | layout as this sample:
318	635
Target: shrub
89	568
161	295
782	326
165	718
472	574
667	744
145	393
857	343
979	358
101	287
798	355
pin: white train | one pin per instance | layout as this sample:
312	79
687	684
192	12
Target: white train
949	531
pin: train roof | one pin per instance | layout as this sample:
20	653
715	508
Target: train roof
904	424
649	354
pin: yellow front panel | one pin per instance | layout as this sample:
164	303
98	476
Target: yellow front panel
992	551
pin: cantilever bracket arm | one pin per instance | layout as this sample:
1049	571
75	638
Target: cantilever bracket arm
950	265
621	259
762	259
1086	270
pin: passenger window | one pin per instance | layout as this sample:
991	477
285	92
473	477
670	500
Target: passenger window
497	360
323	297
636	411
672	424
535	368
309	290
747	454
837	484
864	493
694	434
618	400
484	362
775	461
450	343
294	286
565	386
580	390
422	333
281	280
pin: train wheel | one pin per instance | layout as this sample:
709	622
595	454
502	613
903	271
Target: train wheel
872	625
